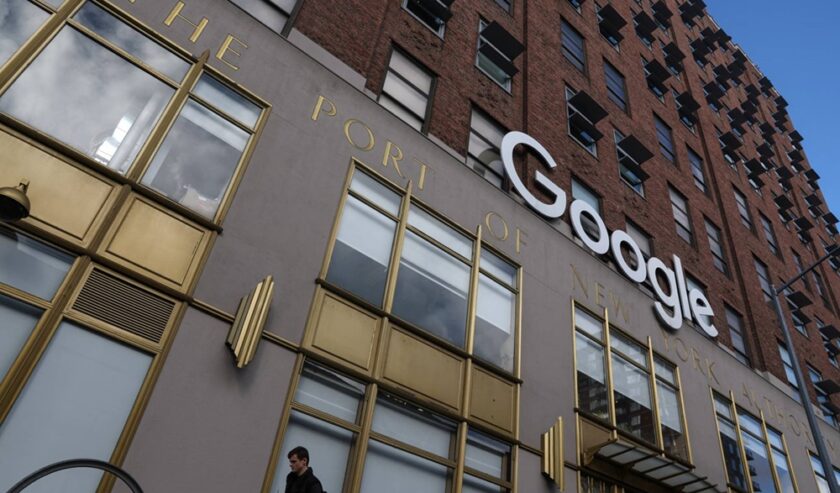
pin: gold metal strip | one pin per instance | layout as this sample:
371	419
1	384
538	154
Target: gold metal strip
396	251
337	221
660	441
472	303
684	418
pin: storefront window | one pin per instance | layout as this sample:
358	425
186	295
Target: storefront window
74	406
435	274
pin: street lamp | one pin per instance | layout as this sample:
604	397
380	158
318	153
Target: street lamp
832	253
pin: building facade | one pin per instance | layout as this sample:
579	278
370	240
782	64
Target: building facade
255	225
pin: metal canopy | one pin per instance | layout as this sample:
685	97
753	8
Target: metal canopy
590	108
766	129
502	40
651	465
813	199
803	223
755	167
661	12
673	53
795	136
438	8
765	150
785	174
637	151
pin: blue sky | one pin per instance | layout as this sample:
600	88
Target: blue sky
795	45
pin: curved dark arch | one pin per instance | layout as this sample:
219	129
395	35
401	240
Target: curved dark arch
77	463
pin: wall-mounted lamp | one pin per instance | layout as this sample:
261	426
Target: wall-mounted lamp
14	204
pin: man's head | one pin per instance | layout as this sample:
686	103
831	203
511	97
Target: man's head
298	460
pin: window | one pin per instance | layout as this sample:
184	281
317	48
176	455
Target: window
433	274
586	194
572	44
483	150
697	170
505	4
820	287
272	13
431	13
764	279
19	23
197	160
666	142
743	209
822	482
610	24
408	445
616	89
787	362
736	333
631	154
831	348
679	207
822	397
797	261
496	51
752	443
406	90
716	247
641	238
769	235
798	323
635	370
583	113
656	75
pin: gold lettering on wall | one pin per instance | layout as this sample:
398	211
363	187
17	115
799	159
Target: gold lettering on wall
423	166
603	296
319	107
519	240
499	228
348	125
225	49
393	154
175	13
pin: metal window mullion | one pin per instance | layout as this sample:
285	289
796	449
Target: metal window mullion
376	207
683	418
487	477
411	449
652	378
366	422
497	280
324	416
770	457
396	249
460	456
609	368
744	462
411	84
438	244
406	108
472	306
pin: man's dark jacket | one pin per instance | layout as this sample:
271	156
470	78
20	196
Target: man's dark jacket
305	483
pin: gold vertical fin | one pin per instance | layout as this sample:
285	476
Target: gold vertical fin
552	449
247	327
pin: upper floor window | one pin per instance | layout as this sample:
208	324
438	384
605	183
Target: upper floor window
743	209
431	13
496	51
822	397
716	246
769	235
631	154
764	279
665	138
787	362
505	4
822	482
610	24
679	207
573	47
204	147
406	90
629	388
736	333
434	269
583	113
483	150
697	172
616	88
586	194
273	13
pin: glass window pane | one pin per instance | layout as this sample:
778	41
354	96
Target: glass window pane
30	265
411	72
362	251
497	267
414	426
386	467
589	324
18	20
224	98
494	323
760	472
475	485
328	446
591	386
196	161
633	411
440	231
487	455
18	320
330	392
69	93
629	348
394	107
750	424
671	418
376	192
783	472
432	289
666	371
129	39
732	454
93	381
400	90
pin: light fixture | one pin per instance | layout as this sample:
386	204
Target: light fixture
14	204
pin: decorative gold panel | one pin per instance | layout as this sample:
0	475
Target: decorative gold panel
552	449
344	331
493	400
244	334
157	241
592	438
65	199
422	368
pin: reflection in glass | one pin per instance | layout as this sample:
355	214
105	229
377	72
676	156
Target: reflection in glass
822	483
589	324
362	251
129	39
88	97
196	161
414	426
17	319
328	445
759	465
330	392
732	454
633	412
487	455
669	414
74	405
498	268
18	20
391	469
224	98
432	289
31	266
591	383
376	192
782	472
494	323
474	485
440	231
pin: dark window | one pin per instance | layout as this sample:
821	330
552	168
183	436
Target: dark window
736	334
666	142
697	170
763	279
572	43
679	206
769	235
616	89
718	257
431	13
743	209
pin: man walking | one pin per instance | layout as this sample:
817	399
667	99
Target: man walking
302	479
